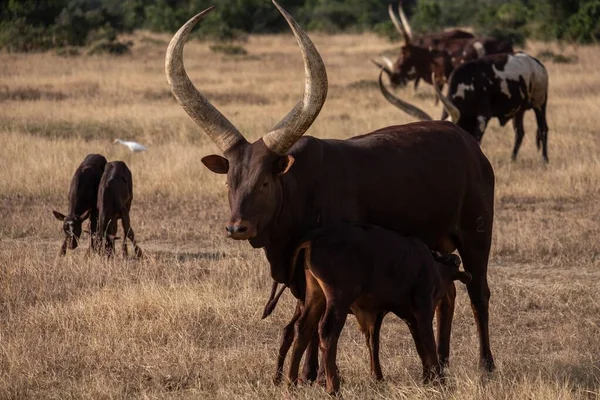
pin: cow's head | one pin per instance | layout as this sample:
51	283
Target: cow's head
404	69
72	227
254	170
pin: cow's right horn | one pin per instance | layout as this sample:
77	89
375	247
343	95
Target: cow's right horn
301	117
406	35
202	112
401	104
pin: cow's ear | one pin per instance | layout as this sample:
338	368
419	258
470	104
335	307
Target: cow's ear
463	276
59	216
85	215
283	164
217	164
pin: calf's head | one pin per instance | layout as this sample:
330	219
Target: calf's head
449	268
254	170
72	227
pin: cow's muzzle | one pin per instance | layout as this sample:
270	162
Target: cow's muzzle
240	230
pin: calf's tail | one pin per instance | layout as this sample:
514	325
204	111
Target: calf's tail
275	295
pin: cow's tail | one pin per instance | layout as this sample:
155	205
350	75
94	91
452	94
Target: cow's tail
275	295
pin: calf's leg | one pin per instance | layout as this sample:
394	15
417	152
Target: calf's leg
370	325
330	328
445	315
421	330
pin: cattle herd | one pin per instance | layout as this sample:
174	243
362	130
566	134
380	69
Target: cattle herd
364	225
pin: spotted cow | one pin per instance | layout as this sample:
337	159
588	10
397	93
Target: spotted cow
503	86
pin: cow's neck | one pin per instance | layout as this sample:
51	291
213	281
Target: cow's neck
293	220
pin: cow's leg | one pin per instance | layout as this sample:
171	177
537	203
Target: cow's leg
421	330
128	233
370	324
519	132
286	343
330	328
480	125
542	131
445	314
416	84
474	248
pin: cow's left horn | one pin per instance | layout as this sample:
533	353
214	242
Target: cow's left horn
406	34
401	104
451	108
204	114
293	126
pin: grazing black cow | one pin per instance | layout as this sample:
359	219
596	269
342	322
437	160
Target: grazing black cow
370	271
115	194
83	195
502	86
429	180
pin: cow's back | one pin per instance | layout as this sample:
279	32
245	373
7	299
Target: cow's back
83	191
413	179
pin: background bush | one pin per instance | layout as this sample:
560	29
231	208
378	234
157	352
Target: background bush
30	25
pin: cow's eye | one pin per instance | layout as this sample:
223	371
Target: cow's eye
265	184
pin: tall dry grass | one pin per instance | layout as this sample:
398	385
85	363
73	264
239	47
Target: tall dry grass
185	321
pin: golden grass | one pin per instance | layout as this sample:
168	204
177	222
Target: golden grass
185	321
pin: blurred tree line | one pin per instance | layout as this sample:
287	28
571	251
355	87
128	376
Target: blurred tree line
30	25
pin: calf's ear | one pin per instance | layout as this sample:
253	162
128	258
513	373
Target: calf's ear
463	276
217	164
283	164
85	215
59	216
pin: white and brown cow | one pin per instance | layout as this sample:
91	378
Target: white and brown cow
503	86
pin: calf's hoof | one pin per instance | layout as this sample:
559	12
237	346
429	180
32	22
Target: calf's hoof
487	364
138	252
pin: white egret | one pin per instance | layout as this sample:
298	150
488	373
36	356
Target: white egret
133	146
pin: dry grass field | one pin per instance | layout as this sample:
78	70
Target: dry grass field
184	322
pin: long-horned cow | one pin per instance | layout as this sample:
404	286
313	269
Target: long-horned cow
503	86
285	184
83	195
437	54
115	195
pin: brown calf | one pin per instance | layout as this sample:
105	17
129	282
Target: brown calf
83	195
370	271
114	202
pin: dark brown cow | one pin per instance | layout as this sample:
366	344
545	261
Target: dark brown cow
114	202
420	58
428	180
83	195
369	270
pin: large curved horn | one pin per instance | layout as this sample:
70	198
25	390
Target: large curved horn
401	104
398	24
300	118
451	108
204	114
404	20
